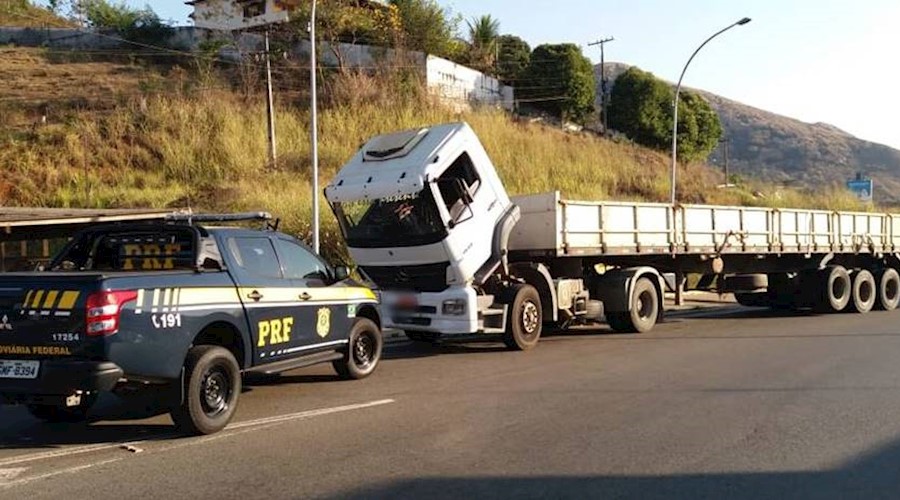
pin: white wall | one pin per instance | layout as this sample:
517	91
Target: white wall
462	87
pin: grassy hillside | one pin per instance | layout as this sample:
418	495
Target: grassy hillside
22	13
128	135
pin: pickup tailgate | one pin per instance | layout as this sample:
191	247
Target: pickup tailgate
42	315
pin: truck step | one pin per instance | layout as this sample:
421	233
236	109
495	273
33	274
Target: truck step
293	364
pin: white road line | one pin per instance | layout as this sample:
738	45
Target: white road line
7	475
310	413
70	470
252	424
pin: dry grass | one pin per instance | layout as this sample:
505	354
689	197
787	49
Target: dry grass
207	150
21	13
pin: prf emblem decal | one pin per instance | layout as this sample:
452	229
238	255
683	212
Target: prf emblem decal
323	325
5	324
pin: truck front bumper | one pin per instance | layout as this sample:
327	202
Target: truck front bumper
61	378
424	312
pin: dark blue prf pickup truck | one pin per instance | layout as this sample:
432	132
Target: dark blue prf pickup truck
181	304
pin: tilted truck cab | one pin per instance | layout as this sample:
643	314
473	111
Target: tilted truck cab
426	217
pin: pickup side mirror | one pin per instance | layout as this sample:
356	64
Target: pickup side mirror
341	273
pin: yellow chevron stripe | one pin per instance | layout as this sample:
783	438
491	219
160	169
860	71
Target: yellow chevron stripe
68	300
27	299
51	299
37	299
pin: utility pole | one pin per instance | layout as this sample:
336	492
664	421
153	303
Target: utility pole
604	101
270	105
725	142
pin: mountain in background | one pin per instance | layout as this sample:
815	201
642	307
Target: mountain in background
784	150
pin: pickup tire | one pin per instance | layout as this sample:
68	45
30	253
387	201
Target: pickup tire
643	313
363	351
60	413
212	384
524	320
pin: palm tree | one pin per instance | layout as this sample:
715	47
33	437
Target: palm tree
484	32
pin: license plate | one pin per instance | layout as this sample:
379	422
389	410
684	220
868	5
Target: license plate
19	369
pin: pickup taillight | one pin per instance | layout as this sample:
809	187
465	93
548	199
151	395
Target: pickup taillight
104	310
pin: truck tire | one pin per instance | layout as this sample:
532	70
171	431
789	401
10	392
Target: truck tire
60	413
363	351
864	293
888	290
524	322
833	290
212	384
643	313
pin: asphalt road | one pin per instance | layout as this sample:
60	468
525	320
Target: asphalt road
739	403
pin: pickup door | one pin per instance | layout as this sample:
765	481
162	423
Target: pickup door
290	308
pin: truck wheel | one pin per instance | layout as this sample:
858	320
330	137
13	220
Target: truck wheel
864	292
363	351
525	319
60	413
212	384
888	290
644	310
834	289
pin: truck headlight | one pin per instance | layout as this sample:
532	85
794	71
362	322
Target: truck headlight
455	307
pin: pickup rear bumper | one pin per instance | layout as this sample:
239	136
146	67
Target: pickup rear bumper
61	378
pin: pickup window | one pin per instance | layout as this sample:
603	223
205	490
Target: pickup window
256	256
137	250
300	263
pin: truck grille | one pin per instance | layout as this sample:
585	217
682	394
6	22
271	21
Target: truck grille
426	278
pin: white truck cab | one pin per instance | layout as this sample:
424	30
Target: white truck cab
426	218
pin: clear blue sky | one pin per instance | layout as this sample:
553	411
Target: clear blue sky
832	61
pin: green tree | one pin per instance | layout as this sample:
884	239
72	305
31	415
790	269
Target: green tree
641	108
140	25
428	27
483	34
560	81
514	57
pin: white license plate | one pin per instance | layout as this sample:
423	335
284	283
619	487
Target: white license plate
19	369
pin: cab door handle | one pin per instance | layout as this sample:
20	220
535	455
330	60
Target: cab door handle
305	296
255	295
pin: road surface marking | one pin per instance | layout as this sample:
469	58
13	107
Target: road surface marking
7	475
253	424
70	470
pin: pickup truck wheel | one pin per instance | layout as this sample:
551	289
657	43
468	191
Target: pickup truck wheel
524	320
212	384
363	352
644	310
60	413
888	290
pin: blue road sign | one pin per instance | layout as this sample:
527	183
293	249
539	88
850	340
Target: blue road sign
862	188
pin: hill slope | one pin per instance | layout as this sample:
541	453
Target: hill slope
765	145
21	13
123	132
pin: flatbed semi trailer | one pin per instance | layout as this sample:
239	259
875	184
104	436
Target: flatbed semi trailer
427	218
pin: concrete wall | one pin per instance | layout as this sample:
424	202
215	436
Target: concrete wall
461	86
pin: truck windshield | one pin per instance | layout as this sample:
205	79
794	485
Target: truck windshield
397	221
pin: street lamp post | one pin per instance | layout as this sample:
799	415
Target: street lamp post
678	92
314	129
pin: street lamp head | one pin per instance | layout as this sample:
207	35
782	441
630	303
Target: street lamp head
743	21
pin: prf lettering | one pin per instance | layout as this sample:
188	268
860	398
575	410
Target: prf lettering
151	255
275	331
